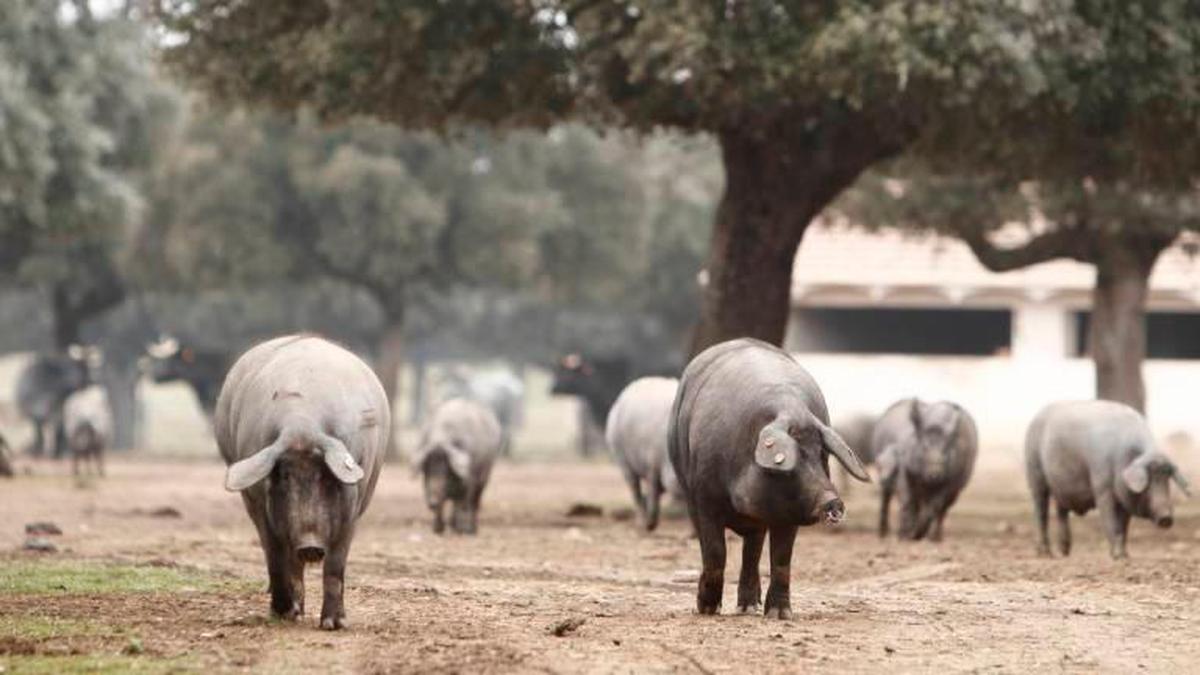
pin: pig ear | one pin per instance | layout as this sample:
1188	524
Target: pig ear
1136	476
460	461
339	460
254	468
914	413
838	448
1182	482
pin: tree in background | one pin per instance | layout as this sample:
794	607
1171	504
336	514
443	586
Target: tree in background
83	105
1115	226
448	238
801	97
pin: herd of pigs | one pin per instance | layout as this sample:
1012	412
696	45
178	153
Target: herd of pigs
743	438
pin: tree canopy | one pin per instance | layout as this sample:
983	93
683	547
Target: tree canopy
801	96
81	109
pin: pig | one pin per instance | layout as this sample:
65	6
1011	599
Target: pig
303	424
458	447
750	442
500	390
43	388
926	451
1087	454
89	428
637	435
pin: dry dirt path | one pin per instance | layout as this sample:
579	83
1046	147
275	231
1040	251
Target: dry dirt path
980	602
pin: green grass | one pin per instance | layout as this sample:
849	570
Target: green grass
36	665
48	628
94	578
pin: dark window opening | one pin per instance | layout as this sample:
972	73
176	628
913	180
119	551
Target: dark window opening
1169	335
963	332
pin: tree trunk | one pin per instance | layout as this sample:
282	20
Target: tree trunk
416	406
66	319
120	382
1117	333
778	177
388	365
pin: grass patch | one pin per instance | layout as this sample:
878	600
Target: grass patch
37	665
49	628
91	578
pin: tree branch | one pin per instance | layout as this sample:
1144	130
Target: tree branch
1061	242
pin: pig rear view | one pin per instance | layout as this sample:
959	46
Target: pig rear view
458	447
303	424
1097	454
637	434
750	442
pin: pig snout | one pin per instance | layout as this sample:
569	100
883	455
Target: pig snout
1164	522
310	549
833	510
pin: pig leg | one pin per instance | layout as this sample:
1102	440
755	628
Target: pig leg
886	488
75	464
1064	530
285	603
711	532
635	488
39	439
909	507
60	438
476	496
298	587
100	462
1041	510
779	591
439	523
457	509
653	496
1116	523
333	608
749	583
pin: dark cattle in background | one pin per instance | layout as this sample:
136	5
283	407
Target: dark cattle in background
169	361
598	381
45	385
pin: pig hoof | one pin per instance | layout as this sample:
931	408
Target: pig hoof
333	623
1044	552
782	613
708	609
749	609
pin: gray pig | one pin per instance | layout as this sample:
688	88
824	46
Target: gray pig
1086	454
926	451
458	446
750	442
637	434
303	425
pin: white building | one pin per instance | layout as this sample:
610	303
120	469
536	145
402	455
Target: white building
879	316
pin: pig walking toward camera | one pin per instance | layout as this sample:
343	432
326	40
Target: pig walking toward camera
458	446
750	442
925	452
89	428
1088	454
637	435
303	425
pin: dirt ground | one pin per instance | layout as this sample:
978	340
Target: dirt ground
979	602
